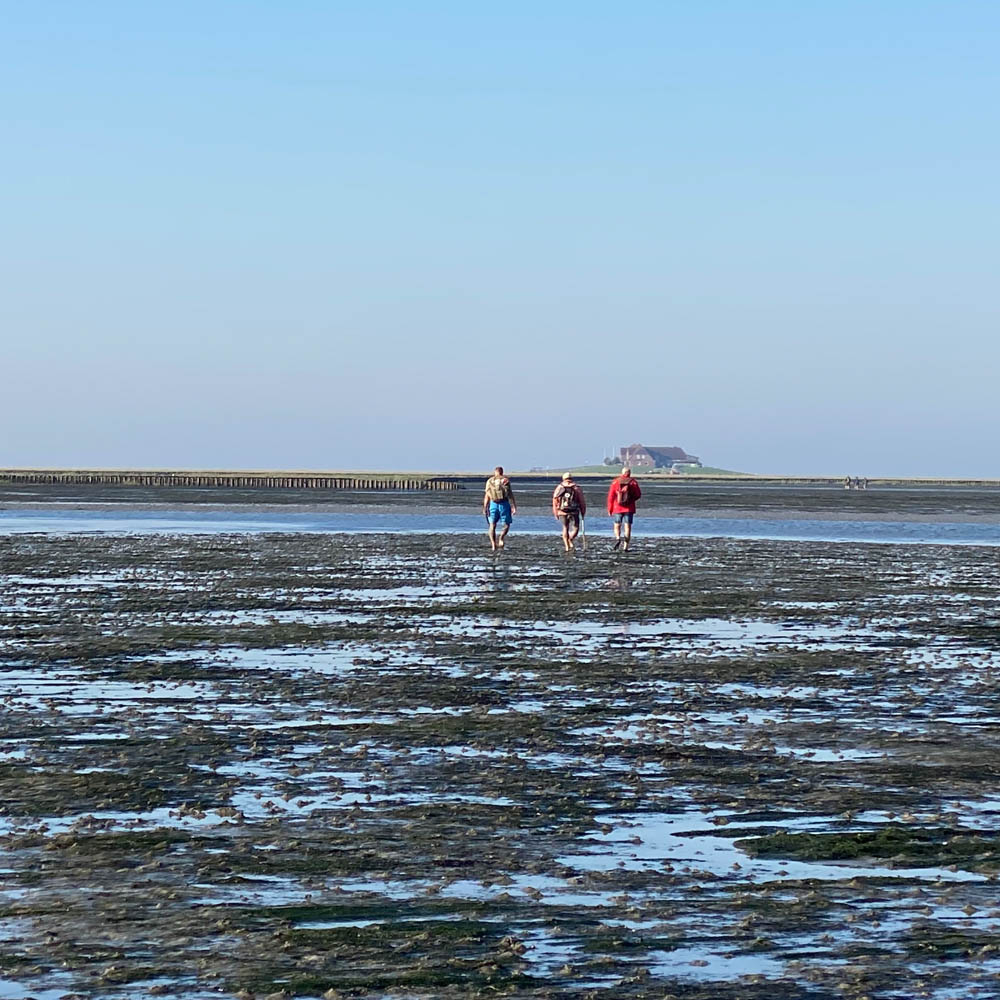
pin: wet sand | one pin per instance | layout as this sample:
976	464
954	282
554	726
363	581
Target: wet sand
949	504
388	765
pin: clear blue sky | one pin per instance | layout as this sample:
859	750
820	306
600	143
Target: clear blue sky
446	235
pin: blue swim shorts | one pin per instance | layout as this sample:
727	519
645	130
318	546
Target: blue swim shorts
622	518
500	511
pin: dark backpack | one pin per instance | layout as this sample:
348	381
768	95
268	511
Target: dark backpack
624	494
568	504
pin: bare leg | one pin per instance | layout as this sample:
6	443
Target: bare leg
628	535
502	535
491	533
573	532
618	534
567	542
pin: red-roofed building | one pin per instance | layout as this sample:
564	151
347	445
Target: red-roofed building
640	456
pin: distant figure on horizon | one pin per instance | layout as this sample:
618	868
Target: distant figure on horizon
568	506
498	506
622	496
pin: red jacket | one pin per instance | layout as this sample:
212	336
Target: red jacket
614	507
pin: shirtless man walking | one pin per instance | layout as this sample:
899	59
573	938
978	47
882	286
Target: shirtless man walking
499	506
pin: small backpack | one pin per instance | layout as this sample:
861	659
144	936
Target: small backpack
568	503
624	493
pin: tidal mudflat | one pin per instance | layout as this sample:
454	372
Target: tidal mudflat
326	765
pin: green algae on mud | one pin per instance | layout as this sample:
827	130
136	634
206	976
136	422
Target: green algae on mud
301	763
903	846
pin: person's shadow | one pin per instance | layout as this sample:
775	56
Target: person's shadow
619	581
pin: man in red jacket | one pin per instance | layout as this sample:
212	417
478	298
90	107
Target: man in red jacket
621	505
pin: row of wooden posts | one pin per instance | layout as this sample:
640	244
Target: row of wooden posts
232	480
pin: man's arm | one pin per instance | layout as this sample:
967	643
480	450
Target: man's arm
486	499
555	503
582	502
611	496
510	496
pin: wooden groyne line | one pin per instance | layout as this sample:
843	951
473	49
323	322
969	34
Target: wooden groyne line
226	480
692	479
307	480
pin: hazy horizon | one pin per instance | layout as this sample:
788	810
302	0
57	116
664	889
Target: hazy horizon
391	237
